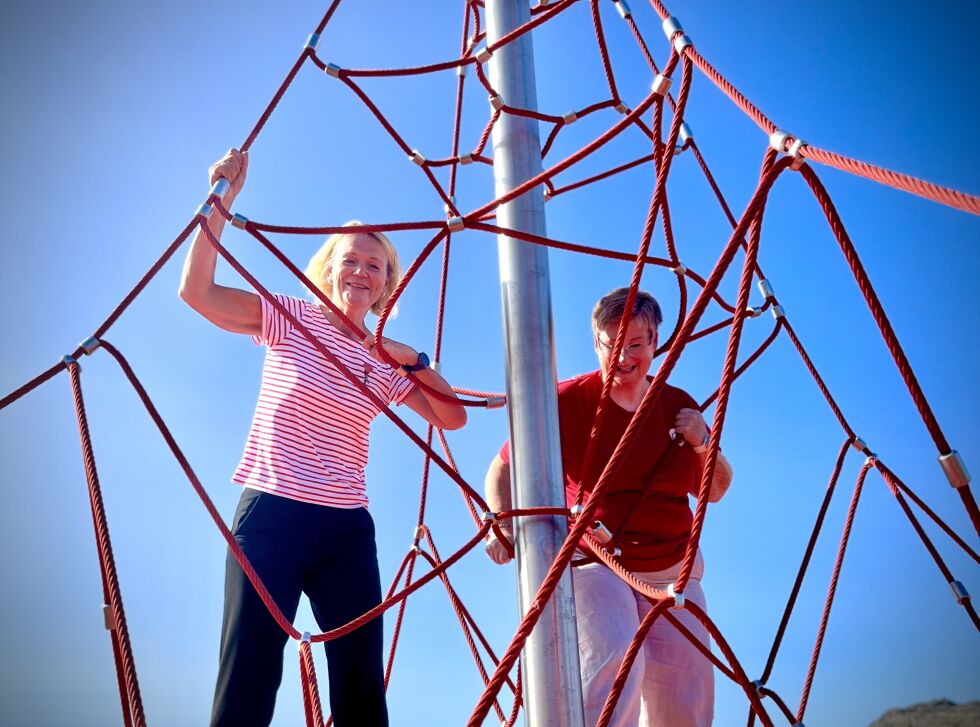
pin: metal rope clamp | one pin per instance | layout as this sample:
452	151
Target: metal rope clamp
959	592
623	9
676	35
661	84
679	599
685	135
955	469
601	533
306	638
778	139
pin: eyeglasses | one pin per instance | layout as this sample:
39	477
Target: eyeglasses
630	349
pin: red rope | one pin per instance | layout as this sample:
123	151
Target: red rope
832	591
132	706
311	690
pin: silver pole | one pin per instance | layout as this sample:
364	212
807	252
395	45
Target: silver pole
553	695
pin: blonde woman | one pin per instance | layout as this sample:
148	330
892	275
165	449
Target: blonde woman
302	519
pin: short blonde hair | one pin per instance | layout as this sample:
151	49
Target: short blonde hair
612	306
319	266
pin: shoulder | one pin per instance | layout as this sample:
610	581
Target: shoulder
582	382
675	398
580	389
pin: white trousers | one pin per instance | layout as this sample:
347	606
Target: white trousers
671	683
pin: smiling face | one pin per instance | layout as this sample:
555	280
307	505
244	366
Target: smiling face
358	272
634	362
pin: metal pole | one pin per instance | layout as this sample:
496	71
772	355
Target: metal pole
553	696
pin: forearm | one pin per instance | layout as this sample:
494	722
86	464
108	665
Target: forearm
721	478
451	414
497	489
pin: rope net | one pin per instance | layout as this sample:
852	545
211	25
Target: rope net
667	140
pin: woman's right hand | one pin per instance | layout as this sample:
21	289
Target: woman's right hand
498	551
233	166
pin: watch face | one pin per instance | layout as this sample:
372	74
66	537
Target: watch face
423	361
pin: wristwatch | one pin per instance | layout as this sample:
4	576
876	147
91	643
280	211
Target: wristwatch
422	363
703	447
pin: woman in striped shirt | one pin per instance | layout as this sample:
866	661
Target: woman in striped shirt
302	519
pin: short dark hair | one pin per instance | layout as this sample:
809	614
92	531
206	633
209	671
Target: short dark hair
612	306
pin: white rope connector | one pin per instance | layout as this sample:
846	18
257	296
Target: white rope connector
312	42
461	71
959	592
622	108
419	532
466	159
679	270
661	85
239	221
570	118
417	157
676	35
623	8
219	188
753	312
615	552
497	102
306	638
859	444
765	287
601	532
871	461
455	224
778	139
955	469
758	686
686	134
678	597
89	345
68	360
436	366
447	207
204	211
778	312
671	26
496	402
488	517
577	510
332	69
483	55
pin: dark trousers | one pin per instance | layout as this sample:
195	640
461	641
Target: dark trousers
329	554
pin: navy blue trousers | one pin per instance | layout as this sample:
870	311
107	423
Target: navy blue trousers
329	554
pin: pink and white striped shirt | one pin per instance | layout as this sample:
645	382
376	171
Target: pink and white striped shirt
309	436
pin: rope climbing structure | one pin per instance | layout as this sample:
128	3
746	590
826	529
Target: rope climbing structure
666	140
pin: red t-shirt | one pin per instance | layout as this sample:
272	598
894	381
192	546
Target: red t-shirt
652	534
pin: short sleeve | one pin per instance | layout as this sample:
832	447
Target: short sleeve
401	387
276	326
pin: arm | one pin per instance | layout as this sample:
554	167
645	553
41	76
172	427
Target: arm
690	425
232	309
439	413
497	490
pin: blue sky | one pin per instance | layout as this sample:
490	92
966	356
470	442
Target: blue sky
112	114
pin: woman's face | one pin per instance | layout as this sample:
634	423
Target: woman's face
636	357
358	271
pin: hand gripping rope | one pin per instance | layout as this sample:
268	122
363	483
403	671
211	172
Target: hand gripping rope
663	145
